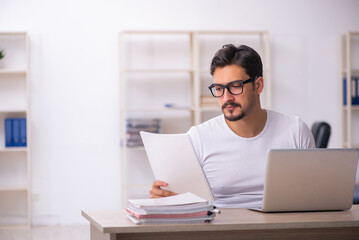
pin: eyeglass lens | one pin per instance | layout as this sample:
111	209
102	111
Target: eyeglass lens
235	88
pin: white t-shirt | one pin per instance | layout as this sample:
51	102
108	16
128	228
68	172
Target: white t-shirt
235	166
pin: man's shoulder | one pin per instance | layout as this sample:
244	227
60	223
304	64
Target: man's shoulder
278	120
282	117
294	126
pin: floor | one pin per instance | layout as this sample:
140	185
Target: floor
75	232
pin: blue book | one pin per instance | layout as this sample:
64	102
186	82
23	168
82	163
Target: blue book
16	132
354	91
23	141
8	132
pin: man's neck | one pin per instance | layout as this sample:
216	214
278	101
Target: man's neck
251	125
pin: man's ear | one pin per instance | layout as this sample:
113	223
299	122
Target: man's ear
259	85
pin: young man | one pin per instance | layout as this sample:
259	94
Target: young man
232	148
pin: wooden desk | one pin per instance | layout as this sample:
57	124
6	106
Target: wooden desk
232	224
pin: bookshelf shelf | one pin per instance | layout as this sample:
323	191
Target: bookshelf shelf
14	149
13	111
12	71
15	162
164	109
171	67
210	109
353	71
21	34
352	108
16	111
13	188
156	70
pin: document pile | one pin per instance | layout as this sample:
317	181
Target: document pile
182	208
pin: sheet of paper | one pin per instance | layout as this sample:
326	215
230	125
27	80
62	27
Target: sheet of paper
174	161
180	199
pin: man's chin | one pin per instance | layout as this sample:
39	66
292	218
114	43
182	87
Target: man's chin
234	118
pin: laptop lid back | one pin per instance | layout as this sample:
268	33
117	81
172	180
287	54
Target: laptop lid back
309	179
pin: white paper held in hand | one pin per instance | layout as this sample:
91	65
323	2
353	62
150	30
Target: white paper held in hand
173	160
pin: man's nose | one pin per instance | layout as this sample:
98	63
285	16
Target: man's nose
227	96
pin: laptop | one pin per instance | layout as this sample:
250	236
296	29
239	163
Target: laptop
309	180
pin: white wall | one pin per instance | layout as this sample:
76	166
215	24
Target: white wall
74	74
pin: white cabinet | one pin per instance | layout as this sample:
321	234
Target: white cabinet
165	75
14	104
349	69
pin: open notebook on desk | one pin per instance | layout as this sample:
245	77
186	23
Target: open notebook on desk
173	160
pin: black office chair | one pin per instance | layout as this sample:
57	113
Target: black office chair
321	134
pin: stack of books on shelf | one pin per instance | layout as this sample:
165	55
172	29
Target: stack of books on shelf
15	132
182	208
354	91
209	101
135	126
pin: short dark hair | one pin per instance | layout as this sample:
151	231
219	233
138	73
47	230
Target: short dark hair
243	56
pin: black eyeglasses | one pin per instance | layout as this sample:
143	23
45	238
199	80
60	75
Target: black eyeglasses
234	88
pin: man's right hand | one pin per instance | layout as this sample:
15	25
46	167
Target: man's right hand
157	192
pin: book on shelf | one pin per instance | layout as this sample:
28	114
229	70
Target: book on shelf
354	91
135	126
181	208
15	132
8	132
23	141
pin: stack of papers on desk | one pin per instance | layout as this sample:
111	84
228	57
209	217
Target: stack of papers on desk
182	208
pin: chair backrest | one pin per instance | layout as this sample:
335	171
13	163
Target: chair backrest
321	133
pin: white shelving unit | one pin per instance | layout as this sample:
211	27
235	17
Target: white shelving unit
15	173
171	67
349	69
